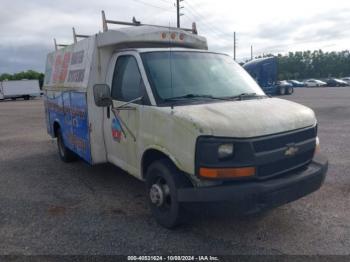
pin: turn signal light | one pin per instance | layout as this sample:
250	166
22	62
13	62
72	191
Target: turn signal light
317	148
226	172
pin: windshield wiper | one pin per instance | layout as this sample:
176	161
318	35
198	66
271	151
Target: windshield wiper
191	96
243	95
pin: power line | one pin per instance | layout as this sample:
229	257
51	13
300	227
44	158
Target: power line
207	26
202	17
178	9
224	43
193	13
154	6
213	29
165	1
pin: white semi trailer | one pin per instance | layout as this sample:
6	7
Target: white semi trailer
25	89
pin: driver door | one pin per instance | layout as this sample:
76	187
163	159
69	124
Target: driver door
121	122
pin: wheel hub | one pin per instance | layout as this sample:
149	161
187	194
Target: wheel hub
157	195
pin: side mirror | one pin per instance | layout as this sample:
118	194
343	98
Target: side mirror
102	95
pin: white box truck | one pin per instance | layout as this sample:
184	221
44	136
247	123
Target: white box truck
189	122
13	89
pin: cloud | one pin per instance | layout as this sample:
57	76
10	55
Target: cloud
27	28
22	58
279	26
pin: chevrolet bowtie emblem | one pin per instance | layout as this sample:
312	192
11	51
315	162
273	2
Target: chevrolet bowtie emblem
291	150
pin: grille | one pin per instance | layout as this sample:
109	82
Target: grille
285	164
267	144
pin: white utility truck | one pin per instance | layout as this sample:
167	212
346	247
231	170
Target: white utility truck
189	122
13	89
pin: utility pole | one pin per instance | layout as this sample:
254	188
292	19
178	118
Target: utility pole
234	46
178	14
251	52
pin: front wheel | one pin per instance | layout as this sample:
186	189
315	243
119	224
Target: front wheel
163	181
65	153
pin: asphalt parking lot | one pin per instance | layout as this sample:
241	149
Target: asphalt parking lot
48	207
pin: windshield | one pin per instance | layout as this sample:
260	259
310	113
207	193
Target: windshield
182	73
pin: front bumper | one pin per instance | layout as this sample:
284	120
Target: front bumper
259	195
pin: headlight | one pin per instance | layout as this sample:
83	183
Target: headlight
225	151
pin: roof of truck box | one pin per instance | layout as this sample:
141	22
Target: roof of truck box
173	49
150	36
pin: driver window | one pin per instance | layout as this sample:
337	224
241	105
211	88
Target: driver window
127	82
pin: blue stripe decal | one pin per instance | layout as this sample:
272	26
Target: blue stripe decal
69	110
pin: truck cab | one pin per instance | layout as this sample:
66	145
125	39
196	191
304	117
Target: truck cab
189	122
265	73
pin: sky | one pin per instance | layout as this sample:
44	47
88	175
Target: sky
27	28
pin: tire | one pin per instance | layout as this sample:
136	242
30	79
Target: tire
13	98
282	90
26	97
162	181
290	90
65	153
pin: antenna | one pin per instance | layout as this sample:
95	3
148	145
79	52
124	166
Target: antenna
76	36
134	22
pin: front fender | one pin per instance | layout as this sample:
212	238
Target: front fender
166	152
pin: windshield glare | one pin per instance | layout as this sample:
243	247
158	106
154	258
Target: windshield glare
179	73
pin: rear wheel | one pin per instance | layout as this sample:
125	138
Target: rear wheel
290	90
65	153
163	181
282	90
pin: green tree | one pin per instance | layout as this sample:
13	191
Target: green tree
315	64
30	74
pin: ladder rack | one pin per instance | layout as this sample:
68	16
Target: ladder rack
134	22
105	23
58	45
76	36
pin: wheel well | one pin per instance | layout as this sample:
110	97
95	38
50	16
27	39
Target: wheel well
152	155
56	126
149	157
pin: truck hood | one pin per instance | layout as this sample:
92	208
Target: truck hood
247	118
